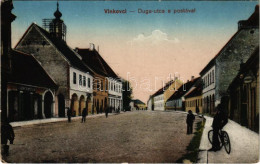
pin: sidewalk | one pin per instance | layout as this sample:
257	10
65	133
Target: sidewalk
244	145
49	120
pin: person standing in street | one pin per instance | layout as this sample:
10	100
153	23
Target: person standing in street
84	114
69	113
106	111
7	133
197	109
189	120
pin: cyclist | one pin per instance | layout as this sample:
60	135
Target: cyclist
220	120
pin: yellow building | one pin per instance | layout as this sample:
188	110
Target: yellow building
162	95
193	100
96	63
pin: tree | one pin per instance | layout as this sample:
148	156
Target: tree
127	94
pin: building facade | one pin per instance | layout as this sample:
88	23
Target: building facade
62	64
109	93
193	100
222	69
30	90
208	91
162	95
177	100
244	94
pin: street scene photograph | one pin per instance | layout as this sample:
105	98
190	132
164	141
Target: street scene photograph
129	81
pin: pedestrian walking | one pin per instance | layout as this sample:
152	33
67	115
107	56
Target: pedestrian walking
69	113
7	133
190	119
219	121
84	115
197	110
106	111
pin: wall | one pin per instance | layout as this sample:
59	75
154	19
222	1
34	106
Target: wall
49	57
190	104
228	62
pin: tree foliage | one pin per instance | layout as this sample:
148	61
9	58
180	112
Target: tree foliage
127	95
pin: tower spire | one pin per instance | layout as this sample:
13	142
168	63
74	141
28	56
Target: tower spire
57	13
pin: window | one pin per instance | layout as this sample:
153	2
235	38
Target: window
209	78
80	79
101	85
84	81
89	82
212	76
74	78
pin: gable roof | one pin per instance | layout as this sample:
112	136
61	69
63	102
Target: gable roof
181	91
137	101
197	91
161	90
94	60
67	52
252	21
27	70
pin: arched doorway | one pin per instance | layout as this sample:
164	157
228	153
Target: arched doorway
207	105
48	99
88	104
74	105
105	106
61	105
97	106
81	104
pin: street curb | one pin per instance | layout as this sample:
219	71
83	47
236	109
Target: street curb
203	152
53	120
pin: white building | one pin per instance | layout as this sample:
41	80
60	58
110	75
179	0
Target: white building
115	93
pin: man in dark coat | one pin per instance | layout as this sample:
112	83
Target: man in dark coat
190	119
84	114
219	121
7	133
106	111
69	113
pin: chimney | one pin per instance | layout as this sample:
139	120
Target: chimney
91	46
192	78
98	49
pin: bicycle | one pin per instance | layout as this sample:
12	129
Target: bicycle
224	139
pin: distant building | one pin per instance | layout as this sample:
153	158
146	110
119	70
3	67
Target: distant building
222	69
62	64
150	103
177	100
137	105
162	95
244	94
193	99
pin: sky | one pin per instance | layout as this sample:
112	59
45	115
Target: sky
146	49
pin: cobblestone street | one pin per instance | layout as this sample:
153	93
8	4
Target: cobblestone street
141	136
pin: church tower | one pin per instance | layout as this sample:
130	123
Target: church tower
57	28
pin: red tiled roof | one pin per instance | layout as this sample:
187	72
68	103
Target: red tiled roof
181	92
196	92
94	60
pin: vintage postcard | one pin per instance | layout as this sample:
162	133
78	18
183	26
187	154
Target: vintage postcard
129	81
